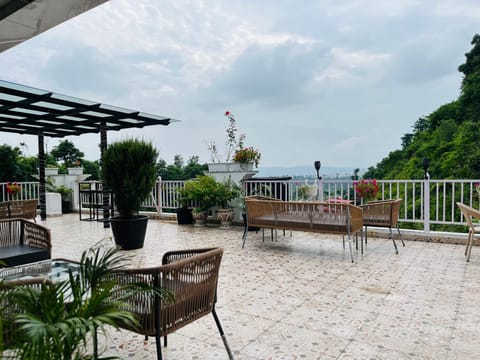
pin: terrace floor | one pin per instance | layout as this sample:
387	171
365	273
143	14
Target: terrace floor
301	297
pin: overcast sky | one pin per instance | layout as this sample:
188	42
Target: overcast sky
336	81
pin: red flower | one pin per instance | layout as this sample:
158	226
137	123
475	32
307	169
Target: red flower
13	188
227	113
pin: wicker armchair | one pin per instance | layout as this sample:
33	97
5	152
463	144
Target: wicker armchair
191	276
469	214
382	213
23	241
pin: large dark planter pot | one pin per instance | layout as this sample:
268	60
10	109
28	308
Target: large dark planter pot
184	216
129	233
66	206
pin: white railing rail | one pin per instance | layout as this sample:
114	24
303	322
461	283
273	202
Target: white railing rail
442	195
28	191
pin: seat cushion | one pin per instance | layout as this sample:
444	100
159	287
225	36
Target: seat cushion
21	254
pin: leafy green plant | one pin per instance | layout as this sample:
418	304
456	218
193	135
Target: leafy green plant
201	191
129	170
57	320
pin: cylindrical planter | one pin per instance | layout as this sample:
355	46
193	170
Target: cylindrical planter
129	233
184	216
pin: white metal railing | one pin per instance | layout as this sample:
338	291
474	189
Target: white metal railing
28	191
441	200
438	202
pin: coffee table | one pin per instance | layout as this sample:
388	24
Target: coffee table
54	270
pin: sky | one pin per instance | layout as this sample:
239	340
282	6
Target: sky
330	80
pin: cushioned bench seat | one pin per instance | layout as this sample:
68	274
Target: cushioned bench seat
22	254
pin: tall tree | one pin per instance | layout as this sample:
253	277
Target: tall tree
8	163
67	152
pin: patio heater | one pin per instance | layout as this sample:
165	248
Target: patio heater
317	164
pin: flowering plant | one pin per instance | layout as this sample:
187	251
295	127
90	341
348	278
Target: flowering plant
13	188
234	146
477	188
367	189
247	155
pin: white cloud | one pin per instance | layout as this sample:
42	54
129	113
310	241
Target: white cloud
307	79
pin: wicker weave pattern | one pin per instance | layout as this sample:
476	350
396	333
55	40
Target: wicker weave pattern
382	213
340	218
190	275
26	209
24	232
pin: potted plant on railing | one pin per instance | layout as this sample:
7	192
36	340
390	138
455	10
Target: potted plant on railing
226	192
129	171
237	157
366	189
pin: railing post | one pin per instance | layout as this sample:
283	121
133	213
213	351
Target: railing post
159	195
320	190
426	203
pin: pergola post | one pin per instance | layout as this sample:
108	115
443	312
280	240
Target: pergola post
41	172
105	194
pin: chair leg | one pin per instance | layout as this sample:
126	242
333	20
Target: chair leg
400	235
158	345
470	247
394	243
366	231
468	242
222	334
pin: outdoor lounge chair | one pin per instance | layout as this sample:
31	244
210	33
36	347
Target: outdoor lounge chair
382	213
469	214
191	276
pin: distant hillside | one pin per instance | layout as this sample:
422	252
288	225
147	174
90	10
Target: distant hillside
448	137
305	171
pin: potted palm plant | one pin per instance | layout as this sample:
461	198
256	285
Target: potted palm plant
129	171
37	324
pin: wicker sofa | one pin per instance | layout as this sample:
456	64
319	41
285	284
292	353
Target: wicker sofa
325	217
26	209
23	241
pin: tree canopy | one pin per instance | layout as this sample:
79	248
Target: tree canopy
448	137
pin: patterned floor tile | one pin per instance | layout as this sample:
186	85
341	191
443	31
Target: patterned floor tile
300	297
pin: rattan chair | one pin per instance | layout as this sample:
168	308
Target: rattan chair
469	214
23	241
383	213
191	276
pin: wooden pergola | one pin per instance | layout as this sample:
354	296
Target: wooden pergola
31	111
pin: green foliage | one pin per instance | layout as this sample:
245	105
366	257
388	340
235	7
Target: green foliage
48	328
205	192
448	136
179	171
129	170
67	152
8	163
65	192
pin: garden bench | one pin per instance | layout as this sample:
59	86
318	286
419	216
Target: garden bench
323	217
